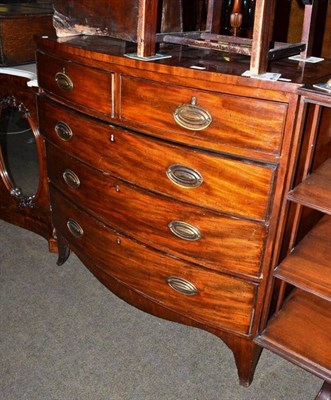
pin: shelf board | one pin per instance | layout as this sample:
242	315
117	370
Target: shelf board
315	191
308	266
301	333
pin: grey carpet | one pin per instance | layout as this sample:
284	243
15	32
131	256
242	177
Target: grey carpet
64	336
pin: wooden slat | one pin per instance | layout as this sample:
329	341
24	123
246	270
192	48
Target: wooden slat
308	28
263	24
214	16
315	191
308	265
301	333
146	31
238	49
225	38
285	51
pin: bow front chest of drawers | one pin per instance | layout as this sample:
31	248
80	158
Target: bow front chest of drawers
167	180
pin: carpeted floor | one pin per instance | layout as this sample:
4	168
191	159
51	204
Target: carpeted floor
63	336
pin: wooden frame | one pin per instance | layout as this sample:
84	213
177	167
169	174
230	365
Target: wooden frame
258	48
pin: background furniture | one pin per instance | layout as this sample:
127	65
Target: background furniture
27	207
289	16
24	198
142	26
19	22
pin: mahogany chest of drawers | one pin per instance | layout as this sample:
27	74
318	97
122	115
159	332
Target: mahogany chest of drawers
167	181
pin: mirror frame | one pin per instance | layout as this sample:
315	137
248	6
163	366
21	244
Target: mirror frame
22	200
29	212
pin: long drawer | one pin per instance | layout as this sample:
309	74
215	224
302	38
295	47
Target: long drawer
203	118
219	183
82	85
188	231
205	296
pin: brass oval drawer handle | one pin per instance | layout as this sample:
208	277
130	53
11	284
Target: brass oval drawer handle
192	117
184	231
182	286
63	131
184	176
64	82
74	228
71	179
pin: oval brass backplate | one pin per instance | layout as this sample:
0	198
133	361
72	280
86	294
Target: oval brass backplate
182	286
64	82
192	116
71	179
184	176
63	131
74	228
184	230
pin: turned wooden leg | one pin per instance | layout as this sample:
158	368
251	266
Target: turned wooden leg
325	392
64	250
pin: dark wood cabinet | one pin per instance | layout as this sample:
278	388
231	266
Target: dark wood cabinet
24	194
18	25
24	197
168	181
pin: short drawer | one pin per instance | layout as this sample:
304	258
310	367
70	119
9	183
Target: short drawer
216	299
88	87
186	231
232	186
206	119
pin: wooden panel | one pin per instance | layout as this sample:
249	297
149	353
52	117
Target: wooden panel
91	87
301	333
237	121
97	17
315	191
124	208
220	300
18	25
229	185
308	265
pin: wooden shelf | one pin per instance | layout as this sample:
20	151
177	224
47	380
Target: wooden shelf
301	333
300	329
308	265
315	191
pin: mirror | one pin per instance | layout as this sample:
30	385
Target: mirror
19	156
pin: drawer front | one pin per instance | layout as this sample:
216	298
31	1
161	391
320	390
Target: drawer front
85	86
187	231
202	295
218	183
234	121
